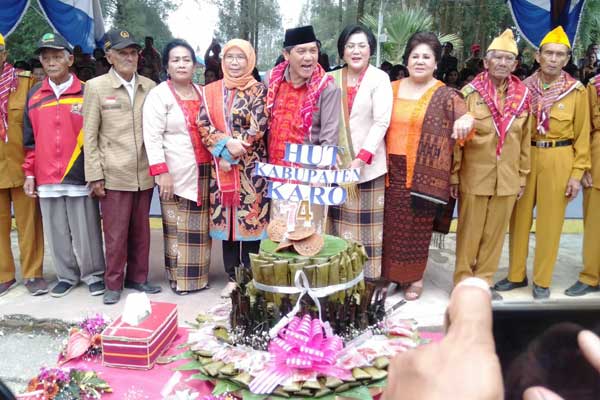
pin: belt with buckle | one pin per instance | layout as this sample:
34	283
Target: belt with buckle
546	144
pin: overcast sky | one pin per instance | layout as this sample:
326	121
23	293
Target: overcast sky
196	23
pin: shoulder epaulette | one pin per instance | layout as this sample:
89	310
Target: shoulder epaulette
467	90
24	74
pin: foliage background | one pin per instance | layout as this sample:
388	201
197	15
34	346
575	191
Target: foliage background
260	22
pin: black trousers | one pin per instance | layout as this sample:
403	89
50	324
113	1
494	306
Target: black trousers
237	253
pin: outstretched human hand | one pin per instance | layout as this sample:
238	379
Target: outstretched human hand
464	365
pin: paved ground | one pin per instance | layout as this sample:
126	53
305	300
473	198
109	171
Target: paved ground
25	344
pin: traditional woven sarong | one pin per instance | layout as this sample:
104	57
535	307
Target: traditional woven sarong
186	237
408	229
362	220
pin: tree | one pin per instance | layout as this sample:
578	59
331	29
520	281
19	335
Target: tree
589	30
360	9
22	43
141	18
400	24
257	21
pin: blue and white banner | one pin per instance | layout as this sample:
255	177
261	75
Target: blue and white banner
322	195
535	18
11	14
78	21
307	175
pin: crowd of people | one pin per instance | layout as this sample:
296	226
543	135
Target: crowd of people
456	76
77	153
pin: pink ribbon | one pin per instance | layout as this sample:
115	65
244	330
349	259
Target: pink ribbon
302	345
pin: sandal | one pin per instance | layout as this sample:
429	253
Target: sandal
173	286
413	292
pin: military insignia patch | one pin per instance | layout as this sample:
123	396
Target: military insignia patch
48	37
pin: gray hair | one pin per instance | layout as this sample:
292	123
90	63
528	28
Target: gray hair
490	53
67	52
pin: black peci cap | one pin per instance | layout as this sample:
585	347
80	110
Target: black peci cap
300	35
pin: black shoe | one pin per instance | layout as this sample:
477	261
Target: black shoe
495	295
6	286
142	287
579	289
111	296
505	285
97	288
61	289
540	292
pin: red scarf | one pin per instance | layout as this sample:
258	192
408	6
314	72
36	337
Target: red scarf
8	84
516	101
192	128
216	108
318	81
543	100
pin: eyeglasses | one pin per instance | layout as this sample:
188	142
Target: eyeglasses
352	46
237	57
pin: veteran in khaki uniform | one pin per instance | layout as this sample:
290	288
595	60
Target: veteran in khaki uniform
589	278
560	154
14	86
490	170
116	165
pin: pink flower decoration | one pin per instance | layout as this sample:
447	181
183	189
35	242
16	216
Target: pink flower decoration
79	343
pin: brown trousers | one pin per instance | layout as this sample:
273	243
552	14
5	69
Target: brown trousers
590	275
482	226
126	236
544	191
29	229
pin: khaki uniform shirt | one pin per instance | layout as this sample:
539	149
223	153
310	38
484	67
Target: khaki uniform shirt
12	153
595	133
476	167
570	119
113	145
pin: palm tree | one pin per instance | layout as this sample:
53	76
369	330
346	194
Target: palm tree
400	24
589	30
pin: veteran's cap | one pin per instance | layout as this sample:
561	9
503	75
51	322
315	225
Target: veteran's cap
505	42
557	35
53	41
119	39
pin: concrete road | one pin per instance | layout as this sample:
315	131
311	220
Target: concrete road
24	348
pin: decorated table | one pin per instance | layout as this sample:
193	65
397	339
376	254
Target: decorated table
302	321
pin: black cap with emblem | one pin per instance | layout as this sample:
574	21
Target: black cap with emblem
53	41
119	39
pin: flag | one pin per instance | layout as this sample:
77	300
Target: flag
535	18
12	12
78	21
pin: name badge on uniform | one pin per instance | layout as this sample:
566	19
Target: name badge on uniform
110	103
76	108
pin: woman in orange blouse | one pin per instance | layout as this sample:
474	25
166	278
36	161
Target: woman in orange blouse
427	117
